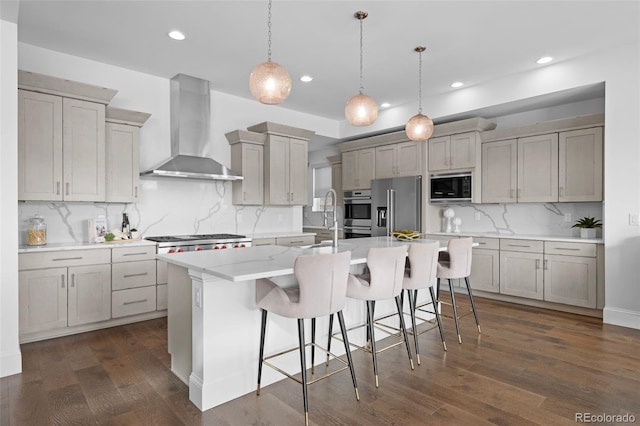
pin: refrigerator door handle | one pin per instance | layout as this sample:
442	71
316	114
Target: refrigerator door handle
391	206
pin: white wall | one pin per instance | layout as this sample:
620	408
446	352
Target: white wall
10	358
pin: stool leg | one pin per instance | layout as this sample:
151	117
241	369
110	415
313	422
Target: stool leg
372	339
343	329
404	331
437	314
263	328
473	305
438	291
402	304
329	338
412	307
303	370
455	310
313	345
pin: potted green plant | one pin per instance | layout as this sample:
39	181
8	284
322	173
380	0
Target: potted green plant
587	226
135	233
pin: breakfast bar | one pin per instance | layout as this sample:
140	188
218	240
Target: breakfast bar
214	324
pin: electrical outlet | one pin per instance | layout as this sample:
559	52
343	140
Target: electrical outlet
633	219
198	298
567	217
477	216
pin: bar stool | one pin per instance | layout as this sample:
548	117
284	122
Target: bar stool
455	263
421	274
322	286
382	282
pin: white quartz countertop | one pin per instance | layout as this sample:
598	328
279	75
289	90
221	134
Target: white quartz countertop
270	261
83	246
560	238
282	234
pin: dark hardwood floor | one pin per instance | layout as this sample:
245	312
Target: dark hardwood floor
529	366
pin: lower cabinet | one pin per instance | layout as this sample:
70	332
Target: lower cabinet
521	274
570	274
133	301
485	266
89	294
133	280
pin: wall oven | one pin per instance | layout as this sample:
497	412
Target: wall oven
450	188
357	213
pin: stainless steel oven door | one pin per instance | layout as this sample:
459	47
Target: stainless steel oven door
357	231
357	208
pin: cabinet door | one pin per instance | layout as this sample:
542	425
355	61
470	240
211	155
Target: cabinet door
336	182
42	299
298	159
462	151
409	159
349	171
123	163
580	165
570	280
89	294
277	176
485	272
248	159
521	274
439	153
386	161
538	168
366	167
499	171
39	146
83	140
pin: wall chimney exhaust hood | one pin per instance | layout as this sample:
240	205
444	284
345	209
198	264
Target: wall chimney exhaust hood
190	120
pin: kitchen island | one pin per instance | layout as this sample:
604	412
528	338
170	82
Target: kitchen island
214	323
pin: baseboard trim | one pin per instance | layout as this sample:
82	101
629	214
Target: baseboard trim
621	317
11	364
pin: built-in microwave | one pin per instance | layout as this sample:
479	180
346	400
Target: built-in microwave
450	187
357	213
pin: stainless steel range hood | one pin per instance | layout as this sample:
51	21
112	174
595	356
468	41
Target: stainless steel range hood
190	128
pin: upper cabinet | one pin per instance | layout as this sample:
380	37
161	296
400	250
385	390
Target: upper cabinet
453	152
247	158
123	154
358	169
400	159
563	166
69	147
336	177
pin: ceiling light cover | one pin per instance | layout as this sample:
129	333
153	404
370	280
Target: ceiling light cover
544	60
385	105
457	84
269	82
361	110
419	127
306	78
177	35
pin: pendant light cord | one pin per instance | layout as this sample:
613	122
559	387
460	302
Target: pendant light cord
361	86
269	32
420	84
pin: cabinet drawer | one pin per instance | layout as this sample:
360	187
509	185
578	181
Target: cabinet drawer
440	237
487	243
57	259
129	254
570	249
161	298
133	301
133	274
302	240
529	246
263	242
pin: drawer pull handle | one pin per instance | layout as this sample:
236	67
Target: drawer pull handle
296	242
67	258
135	254
136	275
67	188
518	245
58	188
73	280
567	248
135	301
482	243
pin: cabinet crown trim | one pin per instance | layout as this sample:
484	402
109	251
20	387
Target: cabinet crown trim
126	116
35	82
561	125
243	136
282	130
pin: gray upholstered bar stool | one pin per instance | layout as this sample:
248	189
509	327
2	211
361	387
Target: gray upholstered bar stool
322	286
455	263
382	282
421	275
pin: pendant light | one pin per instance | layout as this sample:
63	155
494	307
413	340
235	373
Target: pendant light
269	82
419	127
361	110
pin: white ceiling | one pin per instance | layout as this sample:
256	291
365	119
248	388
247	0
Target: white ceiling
470	41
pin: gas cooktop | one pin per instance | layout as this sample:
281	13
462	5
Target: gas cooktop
197	237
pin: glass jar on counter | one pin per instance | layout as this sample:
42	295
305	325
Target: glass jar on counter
36	231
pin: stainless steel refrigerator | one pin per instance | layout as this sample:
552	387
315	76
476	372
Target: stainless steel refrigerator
396	203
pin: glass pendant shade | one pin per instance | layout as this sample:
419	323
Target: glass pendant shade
419	128
361	110
270	83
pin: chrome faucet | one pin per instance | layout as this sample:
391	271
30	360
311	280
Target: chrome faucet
332	213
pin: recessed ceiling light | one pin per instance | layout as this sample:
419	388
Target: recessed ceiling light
457	84
385	105
177	35
306	78
544	60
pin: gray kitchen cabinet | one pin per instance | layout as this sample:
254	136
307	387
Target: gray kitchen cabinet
42	299
580	163
247	158
89	294
358	169
336	178
485	265
134	280
285	170
570	273
500	171
456	151
123	154
538	168
397	160
300	240
521	271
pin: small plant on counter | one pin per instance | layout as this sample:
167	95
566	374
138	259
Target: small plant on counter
134	230
587	222
109	236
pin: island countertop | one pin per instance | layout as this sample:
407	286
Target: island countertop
271	261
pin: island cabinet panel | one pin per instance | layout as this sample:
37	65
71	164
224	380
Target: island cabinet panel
580	165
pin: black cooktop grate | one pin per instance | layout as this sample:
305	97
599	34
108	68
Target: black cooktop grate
181	238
